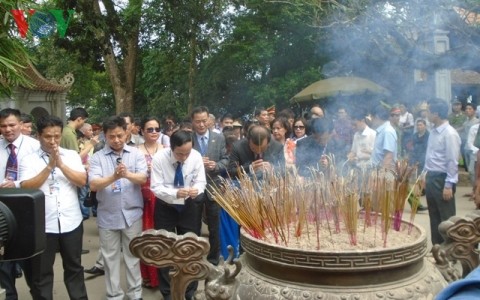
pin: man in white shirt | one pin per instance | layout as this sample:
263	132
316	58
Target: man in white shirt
363	141
57	172
10	128
472	150
178	181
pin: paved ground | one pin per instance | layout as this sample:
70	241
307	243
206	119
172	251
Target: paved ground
96	286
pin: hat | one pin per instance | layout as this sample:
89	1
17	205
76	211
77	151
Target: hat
395	110
236	124
271	109
456	101
423	106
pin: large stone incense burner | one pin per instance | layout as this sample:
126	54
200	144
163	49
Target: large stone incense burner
277	270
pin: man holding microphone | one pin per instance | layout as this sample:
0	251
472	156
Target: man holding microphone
178	181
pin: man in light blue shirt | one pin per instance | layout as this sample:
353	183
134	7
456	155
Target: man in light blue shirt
385	148
116	173
441	165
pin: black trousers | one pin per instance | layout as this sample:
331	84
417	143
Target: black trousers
212	214
439	210
40	268
189	219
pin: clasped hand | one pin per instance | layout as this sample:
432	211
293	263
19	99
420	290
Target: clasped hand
187	192
120	171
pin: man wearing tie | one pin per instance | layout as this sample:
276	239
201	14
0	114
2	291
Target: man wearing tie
13	147
178	181
212	147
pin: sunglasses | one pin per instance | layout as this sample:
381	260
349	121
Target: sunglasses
298	127
152	129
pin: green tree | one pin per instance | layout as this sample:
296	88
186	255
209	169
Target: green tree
108	38
179	35
271	53
13	55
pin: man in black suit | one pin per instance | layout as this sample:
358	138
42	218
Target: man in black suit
256	153
212	147
312	151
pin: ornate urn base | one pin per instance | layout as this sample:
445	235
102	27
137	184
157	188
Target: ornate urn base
266	271
276	272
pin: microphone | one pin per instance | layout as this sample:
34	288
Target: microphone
119	160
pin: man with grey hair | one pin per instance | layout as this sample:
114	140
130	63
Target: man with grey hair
211	122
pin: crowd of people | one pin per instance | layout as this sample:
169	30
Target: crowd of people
138	174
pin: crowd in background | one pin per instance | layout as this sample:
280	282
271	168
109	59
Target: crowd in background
151	173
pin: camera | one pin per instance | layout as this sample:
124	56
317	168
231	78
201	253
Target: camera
22	223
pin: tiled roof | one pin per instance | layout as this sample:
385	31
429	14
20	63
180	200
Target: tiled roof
40	83
465	77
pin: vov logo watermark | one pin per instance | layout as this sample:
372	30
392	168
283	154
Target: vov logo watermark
42	23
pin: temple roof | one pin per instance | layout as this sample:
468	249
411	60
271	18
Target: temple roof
40	83
466	77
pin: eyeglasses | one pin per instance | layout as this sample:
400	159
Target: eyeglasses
394	115
298	127
152	129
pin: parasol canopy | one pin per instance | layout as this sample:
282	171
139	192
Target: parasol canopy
338	86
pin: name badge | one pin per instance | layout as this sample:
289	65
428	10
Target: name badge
54	187
117	186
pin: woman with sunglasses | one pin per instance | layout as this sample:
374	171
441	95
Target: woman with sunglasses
150	129
299	129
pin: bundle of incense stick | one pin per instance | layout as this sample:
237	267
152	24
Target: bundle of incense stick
288	206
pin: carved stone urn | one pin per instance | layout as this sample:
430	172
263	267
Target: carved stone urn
276	272
266	271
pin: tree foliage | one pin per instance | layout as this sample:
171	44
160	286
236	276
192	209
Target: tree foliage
237	55
13	55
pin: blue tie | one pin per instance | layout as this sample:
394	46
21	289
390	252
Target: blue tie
178	180
12	165
203	145
178	183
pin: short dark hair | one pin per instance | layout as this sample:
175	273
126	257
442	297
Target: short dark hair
48	121
381	112
473	106
180	138
78	112
303	120
287	113
7	112
421	121
358	115
145	120
258	133
321	125
283	121
114	122
185	125
226	116
258	111
26	118
127	115
199	110
439	106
